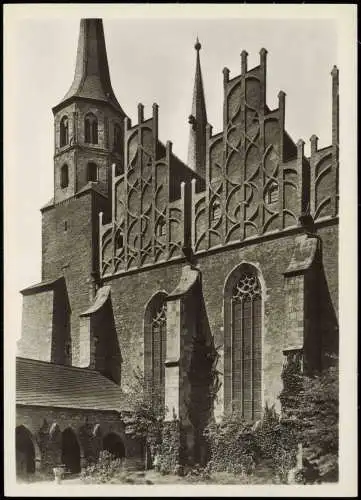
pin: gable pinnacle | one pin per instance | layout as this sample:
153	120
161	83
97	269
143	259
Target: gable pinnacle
197	120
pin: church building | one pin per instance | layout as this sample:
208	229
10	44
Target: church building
206	276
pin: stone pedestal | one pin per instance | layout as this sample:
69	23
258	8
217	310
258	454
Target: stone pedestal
59	473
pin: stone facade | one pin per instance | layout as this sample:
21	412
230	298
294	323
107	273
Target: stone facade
150	235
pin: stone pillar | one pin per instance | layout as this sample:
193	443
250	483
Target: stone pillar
281	115
301	330
244	55
182	325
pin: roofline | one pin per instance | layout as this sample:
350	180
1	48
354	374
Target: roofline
117	412
88	188
68	367
44	285
71	99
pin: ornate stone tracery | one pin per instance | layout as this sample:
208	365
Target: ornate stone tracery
247	288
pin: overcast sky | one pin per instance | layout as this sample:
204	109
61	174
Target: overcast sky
150	60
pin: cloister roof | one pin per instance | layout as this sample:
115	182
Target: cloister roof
39	383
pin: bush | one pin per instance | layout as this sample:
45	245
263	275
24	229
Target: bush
310	409
239	447
145	421
233	445
276	443
105	468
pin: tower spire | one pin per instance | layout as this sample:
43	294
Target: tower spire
198	121
91	77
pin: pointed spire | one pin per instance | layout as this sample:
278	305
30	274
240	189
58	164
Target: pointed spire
91	78
198	121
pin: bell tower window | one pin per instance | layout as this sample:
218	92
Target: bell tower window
117	138
64	176
92	172
91	129
64	131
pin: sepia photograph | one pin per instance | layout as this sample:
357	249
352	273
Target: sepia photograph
180	250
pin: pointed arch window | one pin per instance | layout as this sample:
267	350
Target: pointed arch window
64	176
117	138
92	172
64	131
91	129
155	345
243	342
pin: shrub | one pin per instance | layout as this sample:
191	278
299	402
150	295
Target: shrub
145	421
240	447
276	443
310	409
233	445
104	469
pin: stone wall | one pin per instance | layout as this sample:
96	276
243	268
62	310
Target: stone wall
37	326
70	249
46	425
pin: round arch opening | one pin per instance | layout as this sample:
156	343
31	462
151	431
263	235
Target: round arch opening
70	451
25	452
113	443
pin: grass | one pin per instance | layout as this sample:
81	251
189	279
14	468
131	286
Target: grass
261	476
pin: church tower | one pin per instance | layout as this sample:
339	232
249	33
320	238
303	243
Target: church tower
198	122
88	139
88	120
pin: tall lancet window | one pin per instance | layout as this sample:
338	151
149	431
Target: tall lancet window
155	331
243	342
91	129
64	131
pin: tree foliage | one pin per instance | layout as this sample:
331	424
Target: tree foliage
145	421
310	407
238	446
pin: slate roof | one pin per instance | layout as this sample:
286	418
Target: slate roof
39	383
91	77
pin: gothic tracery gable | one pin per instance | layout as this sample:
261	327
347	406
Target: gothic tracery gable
255	174
147	227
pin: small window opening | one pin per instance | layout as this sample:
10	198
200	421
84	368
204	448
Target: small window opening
92	172
216	211
162	227
64	131
272	193
119	242
64	176
91	129
65	226
117	138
